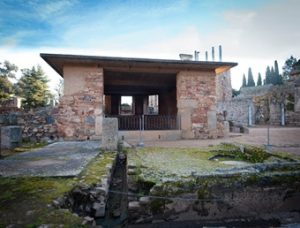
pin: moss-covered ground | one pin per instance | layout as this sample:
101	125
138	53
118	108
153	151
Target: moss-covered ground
164	164
26	201
167	173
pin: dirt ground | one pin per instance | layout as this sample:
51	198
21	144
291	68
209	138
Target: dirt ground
282	139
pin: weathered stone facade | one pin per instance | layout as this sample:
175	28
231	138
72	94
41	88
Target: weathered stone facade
79	114
196	103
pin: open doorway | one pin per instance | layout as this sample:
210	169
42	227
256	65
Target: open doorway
153	105
126	106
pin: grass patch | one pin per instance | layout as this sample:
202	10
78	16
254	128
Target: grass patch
155	164
25	200
241	153
97	168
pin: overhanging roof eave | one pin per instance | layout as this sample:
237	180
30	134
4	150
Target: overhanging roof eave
56	61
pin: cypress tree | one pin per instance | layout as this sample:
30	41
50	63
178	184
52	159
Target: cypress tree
244	81
251	82
278	78
259	82
273	76
268	76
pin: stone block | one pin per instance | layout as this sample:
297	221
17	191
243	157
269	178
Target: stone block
188	103
11	137
212	120
99	209
134	206
98	125
110	133
226	129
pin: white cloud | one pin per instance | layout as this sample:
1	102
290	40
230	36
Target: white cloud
251	38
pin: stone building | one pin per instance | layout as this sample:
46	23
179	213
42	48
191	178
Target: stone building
94	86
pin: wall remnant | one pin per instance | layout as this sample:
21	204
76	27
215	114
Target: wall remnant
36	125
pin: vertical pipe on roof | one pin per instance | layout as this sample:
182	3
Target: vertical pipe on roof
213	53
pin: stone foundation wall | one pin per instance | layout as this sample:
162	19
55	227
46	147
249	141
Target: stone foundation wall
79	114
37	125
196	103
236	197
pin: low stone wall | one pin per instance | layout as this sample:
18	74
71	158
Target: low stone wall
237	110
37	125
234	196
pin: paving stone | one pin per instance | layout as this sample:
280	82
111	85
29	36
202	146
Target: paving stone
57	159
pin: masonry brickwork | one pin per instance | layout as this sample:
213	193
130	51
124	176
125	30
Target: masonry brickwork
196	103
79	114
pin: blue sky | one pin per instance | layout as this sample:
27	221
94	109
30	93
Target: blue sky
253	33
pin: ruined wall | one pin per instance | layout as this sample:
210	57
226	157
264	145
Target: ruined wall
79	115
236	110
37	125
196	103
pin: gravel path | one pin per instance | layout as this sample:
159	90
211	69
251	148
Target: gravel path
57	159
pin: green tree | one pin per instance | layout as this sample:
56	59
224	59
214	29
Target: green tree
268	76
33	87
250	82
287	67
244	81
7	71
259	81
277	77
273	77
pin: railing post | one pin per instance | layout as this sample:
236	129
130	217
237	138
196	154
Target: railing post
141	120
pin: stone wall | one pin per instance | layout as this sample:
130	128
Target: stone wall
79	114
236	110
196	103
37	125
265	103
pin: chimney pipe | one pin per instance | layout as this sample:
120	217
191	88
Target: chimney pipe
213	53
220	53
206	56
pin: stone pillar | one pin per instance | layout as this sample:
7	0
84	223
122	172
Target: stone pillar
11	137
110	134
196	103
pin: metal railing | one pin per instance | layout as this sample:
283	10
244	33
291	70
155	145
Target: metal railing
147	122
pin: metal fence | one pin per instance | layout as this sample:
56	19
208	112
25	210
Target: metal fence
147	122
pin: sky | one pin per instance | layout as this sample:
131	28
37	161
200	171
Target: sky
252	33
